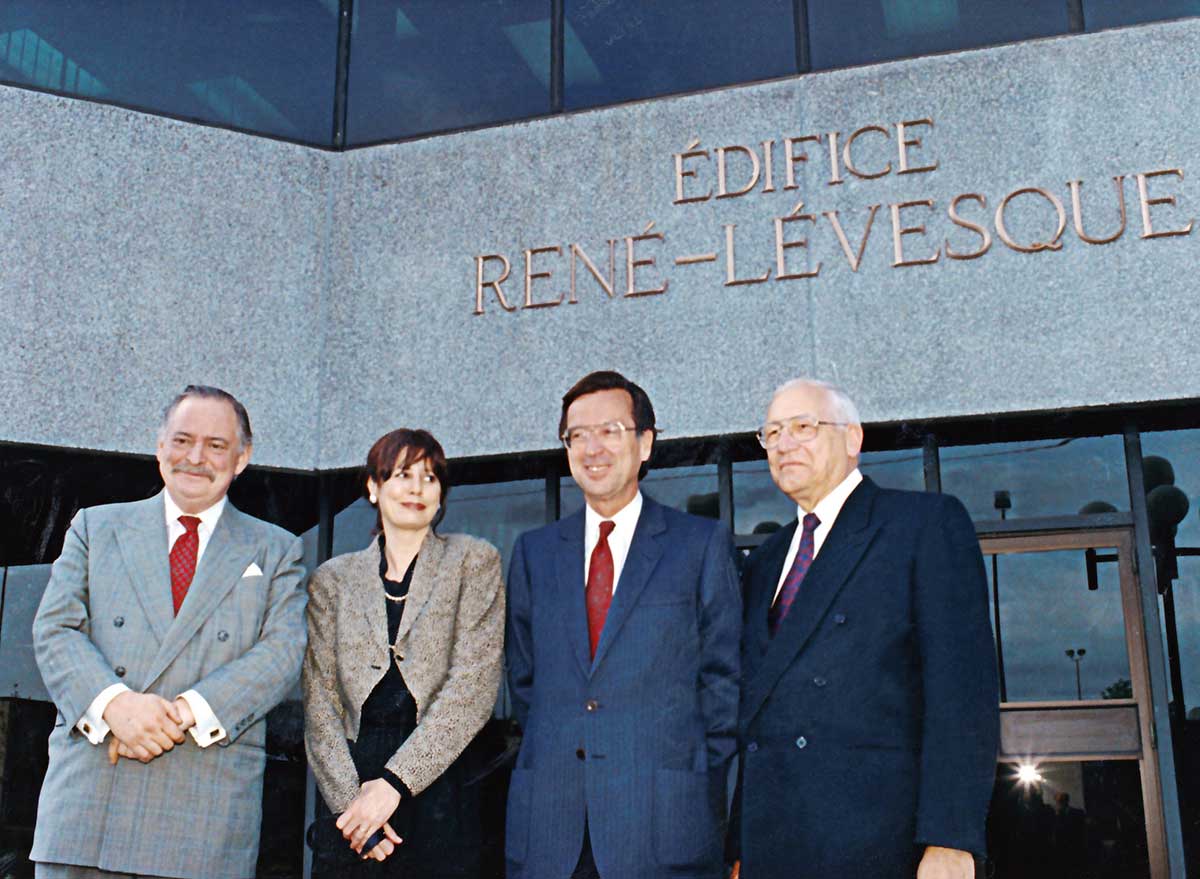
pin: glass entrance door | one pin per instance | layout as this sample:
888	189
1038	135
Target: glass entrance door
1077	788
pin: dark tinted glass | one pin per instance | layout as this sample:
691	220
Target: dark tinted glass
846	32
1046	608
620	50
1041	477
1098	14
759	505
263	65
1075	820
1172	472
428	65
499	512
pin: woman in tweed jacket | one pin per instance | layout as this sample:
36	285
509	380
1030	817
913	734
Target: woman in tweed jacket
402	668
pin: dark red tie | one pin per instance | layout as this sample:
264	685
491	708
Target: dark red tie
599	585
183	559
791	584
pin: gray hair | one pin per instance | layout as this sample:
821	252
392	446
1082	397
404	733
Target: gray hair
206	392
843	407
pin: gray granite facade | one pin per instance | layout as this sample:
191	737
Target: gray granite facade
336	293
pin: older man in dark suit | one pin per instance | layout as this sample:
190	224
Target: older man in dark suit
869	711
169	628
623	661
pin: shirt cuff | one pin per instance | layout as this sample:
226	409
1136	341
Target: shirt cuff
208	730
92	723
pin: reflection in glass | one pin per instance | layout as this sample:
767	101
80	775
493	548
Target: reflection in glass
1041	477
23	588
499	512
1068	821
1046	608
621	50
266	69
1099	14
760	507
691	489
427	65
848	32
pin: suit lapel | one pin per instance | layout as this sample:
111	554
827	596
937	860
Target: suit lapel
568	565
759	595
144	549
843	549
362	600
644	553
225	558
424	579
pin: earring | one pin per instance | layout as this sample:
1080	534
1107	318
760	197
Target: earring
371	498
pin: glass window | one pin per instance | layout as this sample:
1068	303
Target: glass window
429	65
261	67
22	592
1037	478
1068	819
864	31
621	50
759	506
499	512
1046	609
1099	14
691	489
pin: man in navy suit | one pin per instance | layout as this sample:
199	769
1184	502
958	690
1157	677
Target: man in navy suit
622	653
869	712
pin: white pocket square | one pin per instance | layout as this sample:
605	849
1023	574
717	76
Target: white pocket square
253	570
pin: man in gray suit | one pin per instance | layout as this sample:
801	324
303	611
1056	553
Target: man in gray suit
169	627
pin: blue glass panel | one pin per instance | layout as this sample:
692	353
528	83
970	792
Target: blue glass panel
428	65
847	32
620	50
1040	477
1099	14
265	65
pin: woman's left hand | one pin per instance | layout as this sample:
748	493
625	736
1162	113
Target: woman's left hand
375	803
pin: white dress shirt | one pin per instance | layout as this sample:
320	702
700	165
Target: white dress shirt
827	510
624	523
207	729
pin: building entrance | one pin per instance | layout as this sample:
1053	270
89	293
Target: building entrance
1077	790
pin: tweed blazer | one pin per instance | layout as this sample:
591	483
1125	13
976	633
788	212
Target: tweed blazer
448	649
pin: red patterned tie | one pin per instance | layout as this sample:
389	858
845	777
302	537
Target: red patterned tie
183	559
599	585
791	584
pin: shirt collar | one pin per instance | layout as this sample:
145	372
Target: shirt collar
625	519
828	507
208	518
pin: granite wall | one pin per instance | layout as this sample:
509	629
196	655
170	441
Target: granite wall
339	294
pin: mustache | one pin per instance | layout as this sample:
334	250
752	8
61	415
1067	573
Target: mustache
194	471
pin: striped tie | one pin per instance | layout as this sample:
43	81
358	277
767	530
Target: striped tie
791	584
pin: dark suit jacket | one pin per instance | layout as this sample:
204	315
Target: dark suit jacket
637	742
869	724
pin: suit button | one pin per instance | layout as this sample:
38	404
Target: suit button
591	705
120	670
840	619
802	743
579	753
819	681
222	635
119	621
752	747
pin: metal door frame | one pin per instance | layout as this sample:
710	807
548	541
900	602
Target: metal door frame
1091	713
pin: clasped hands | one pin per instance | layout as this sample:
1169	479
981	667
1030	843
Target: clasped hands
145	726
367	813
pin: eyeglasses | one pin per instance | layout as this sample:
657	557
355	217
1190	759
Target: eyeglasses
801	428
609	434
